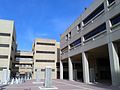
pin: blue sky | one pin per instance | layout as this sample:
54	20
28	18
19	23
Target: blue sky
41	18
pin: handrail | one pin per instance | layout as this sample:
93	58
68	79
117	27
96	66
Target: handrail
93	37
111	4
74	47
115	25
91	20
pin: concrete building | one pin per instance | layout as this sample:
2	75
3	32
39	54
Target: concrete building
90	47
23	65
7	45
44	54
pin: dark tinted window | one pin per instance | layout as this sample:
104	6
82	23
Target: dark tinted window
95	31
44	70
3	56
45	60
4	45
51	44
94	13
110	1
4	34
75	42
45	52
115	20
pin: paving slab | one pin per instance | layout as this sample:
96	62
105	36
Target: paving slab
59	85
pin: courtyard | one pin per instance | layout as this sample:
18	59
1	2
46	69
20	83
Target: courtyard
58	85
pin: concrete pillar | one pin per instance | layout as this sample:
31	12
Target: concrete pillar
61	70
85	68
70	66
114	64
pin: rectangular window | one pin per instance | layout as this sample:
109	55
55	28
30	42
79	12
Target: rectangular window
69	35
111	1
115	20
4	45
3	57
95	31
4	34
66	37
44	70
94	13
75	43
52	61
78	27
50	44
46	52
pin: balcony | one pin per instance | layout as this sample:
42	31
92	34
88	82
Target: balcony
111	4
94	18
95	36
75	47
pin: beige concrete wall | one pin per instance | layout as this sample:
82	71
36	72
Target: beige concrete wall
7	26
45	56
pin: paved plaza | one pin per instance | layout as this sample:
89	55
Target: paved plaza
58	85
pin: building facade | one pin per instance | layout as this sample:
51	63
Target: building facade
44	54
23	64
7	45
90	47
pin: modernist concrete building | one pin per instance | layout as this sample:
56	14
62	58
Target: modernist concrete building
7	45
45	54
23	65
90	47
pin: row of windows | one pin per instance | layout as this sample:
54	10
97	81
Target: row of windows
45	61
95	31
50	44
111	1
78	41
115	19
4	34
44	70
94	13
4	45
3	57
46	52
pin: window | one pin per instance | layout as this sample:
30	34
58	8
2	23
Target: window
94	13
44	70
69	34
115	19
45	61
95	31
64	50
3	57
4	45
77	42
46	52
4	34
78	27
111	1
66	37
50	44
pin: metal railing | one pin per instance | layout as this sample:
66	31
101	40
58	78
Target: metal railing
95	36
92	20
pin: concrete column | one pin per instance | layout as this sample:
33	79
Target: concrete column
114	64
61	70
70	65
85	68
